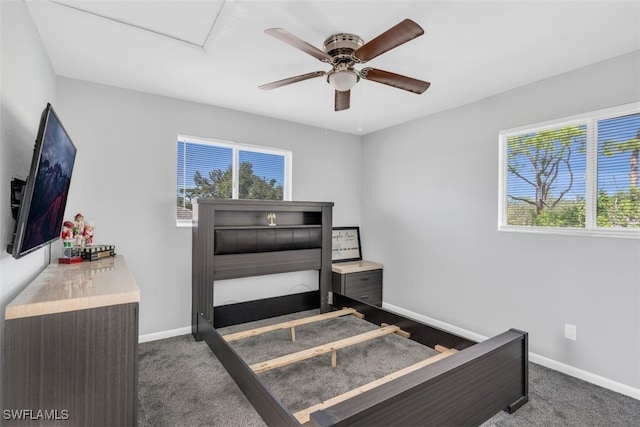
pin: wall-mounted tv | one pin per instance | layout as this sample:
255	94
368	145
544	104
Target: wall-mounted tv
44	197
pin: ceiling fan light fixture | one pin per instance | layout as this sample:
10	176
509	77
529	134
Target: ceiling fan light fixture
345	50
343	80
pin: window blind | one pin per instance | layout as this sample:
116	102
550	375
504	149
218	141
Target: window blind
574	174
219	169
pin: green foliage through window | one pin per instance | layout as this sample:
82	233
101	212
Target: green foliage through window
541	167
581	173
211	169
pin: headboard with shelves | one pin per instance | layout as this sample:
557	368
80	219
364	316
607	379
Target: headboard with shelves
242	238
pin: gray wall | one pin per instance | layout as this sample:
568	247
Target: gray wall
27	83
430	211
125	180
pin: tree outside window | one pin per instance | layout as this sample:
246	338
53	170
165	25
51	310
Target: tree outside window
618	153
213	169
543	188
581	173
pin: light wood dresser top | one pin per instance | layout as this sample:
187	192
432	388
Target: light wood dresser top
69	287
355	266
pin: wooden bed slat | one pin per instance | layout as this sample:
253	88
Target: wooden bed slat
291	324
288	359
403	334
304	415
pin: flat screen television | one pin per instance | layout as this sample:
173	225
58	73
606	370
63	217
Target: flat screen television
44	197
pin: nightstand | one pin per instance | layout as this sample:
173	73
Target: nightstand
361	280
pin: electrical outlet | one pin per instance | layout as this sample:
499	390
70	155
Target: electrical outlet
570	332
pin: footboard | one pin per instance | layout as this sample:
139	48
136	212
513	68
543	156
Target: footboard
464	389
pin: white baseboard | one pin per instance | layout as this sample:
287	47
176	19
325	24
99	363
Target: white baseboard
585	375
164	334
533	357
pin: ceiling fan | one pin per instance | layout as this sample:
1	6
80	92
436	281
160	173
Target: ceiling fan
342	51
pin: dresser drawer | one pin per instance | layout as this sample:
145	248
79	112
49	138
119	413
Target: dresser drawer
364	277
368	294
365	286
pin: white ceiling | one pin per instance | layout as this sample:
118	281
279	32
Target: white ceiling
215	52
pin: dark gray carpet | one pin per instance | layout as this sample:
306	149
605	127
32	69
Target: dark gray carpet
181	383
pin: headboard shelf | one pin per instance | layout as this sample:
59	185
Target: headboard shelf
242	238
265	227
281	218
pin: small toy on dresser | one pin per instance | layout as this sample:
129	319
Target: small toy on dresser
77	242
83	231
70	254
78	229
87	233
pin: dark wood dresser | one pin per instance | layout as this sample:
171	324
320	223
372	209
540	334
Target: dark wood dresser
70	351
361	280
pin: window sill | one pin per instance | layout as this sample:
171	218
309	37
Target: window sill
599	232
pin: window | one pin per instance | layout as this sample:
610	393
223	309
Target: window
574	175
225	170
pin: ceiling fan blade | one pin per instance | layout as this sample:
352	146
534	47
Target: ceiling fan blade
395	80
393	37
290	80
294	41
343	100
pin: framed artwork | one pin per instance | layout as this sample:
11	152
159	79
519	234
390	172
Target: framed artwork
345	244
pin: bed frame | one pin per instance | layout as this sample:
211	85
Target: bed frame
241	238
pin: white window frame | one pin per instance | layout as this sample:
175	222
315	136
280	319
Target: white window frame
235	149
589	119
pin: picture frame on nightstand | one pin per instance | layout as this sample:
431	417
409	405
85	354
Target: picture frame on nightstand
345	244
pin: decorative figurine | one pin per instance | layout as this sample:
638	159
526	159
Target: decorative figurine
271	217
69	253
67	231
88	232
78	229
